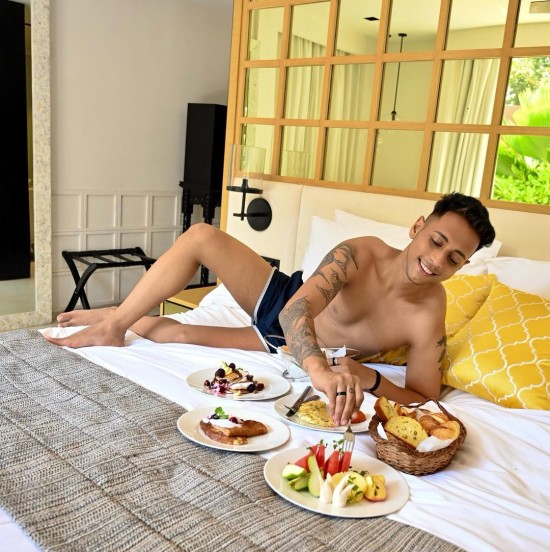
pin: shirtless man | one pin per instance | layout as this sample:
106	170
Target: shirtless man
364	293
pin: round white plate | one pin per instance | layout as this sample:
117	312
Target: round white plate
275	386
397	488
278	433
280	408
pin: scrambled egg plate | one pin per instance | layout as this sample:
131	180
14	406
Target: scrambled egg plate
315	412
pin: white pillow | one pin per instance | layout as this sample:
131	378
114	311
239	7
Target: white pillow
486	253
523	274
475	267
398	236
323	236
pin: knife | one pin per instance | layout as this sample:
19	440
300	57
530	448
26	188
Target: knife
294	408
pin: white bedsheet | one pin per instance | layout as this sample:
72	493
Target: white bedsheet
495	495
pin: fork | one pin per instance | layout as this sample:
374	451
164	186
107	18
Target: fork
349	440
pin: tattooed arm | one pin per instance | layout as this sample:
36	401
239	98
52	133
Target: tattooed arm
297	321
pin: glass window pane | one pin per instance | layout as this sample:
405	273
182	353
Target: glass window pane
522	171
533	24
397	159
260	92
303	92
468	91
457	162
345	155
303	140
418	20
260	136
295	164
405	91
351	92
358	23
476	28
264	37
528	92
309	29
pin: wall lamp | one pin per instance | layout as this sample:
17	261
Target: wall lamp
250	162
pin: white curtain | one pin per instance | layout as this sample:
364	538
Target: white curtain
345	154
467	98
345	157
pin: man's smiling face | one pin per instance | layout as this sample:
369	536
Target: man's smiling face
439	247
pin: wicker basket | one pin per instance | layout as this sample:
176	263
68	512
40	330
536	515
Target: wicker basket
404	459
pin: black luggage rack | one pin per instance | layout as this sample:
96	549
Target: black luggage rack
98	259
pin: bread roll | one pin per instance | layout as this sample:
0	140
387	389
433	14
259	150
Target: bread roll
446	430
429	422
440	416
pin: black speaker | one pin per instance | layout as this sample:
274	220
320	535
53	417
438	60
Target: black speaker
204	149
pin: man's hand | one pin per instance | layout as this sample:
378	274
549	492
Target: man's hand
344	393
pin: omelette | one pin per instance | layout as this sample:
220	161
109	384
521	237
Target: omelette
315	412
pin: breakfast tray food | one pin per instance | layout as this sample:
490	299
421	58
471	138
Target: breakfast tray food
407	460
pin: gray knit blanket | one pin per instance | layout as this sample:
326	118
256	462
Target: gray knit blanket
92	461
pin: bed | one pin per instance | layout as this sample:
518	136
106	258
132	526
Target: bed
93	458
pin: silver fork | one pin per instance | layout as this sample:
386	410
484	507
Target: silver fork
349	440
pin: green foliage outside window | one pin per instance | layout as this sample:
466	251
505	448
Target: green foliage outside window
523	163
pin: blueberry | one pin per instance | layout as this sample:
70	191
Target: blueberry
220	373
251	387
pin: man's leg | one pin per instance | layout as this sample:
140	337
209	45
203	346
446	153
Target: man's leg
168	330
242	271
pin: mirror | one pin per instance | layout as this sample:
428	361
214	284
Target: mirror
36	297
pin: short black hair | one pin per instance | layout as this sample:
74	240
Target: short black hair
472	210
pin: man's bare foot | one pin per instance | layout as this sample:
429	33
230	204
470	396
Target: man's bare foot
84	317
101	333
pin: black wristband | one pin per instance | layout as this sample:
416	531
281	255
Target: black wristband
376	383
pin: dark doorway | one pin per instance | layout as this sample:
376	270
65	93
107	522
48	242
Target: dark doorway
15	255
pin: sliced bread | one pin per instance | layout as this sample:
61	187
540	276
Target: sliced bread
384	409
408	431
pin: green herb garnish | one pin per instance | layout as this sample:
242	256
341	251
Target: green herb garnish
221	414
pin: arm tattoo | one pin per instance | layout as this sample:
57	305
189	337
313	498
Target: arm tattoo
337	285
442	343
331	257
297	320
297	325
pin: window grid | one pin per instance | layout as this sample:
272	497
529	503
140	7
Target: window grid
373	124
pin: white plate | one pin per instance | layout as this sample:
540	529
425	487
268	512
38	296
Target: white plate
278	433
275	386
398	490
280	408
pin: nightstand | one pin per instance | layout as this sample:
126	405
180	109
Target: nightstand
185	300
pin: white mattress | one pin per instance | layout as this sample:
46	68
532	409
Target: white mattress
495	495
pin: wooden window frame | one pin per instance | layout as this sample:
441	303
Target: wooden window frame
240	63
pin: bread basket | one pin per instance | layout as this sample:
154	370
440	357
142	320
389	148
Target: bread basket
407	460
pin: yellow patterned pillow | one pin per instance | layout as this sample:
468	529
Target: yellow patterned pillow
465	295
503	353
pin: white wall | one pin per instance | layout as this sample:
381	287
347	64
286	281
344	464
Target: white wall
123	72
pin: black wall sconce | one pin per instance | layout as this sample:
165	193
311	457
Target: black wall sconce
251	163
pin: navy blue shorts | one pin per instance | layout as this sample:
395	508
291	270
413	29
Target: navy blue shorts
278	290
